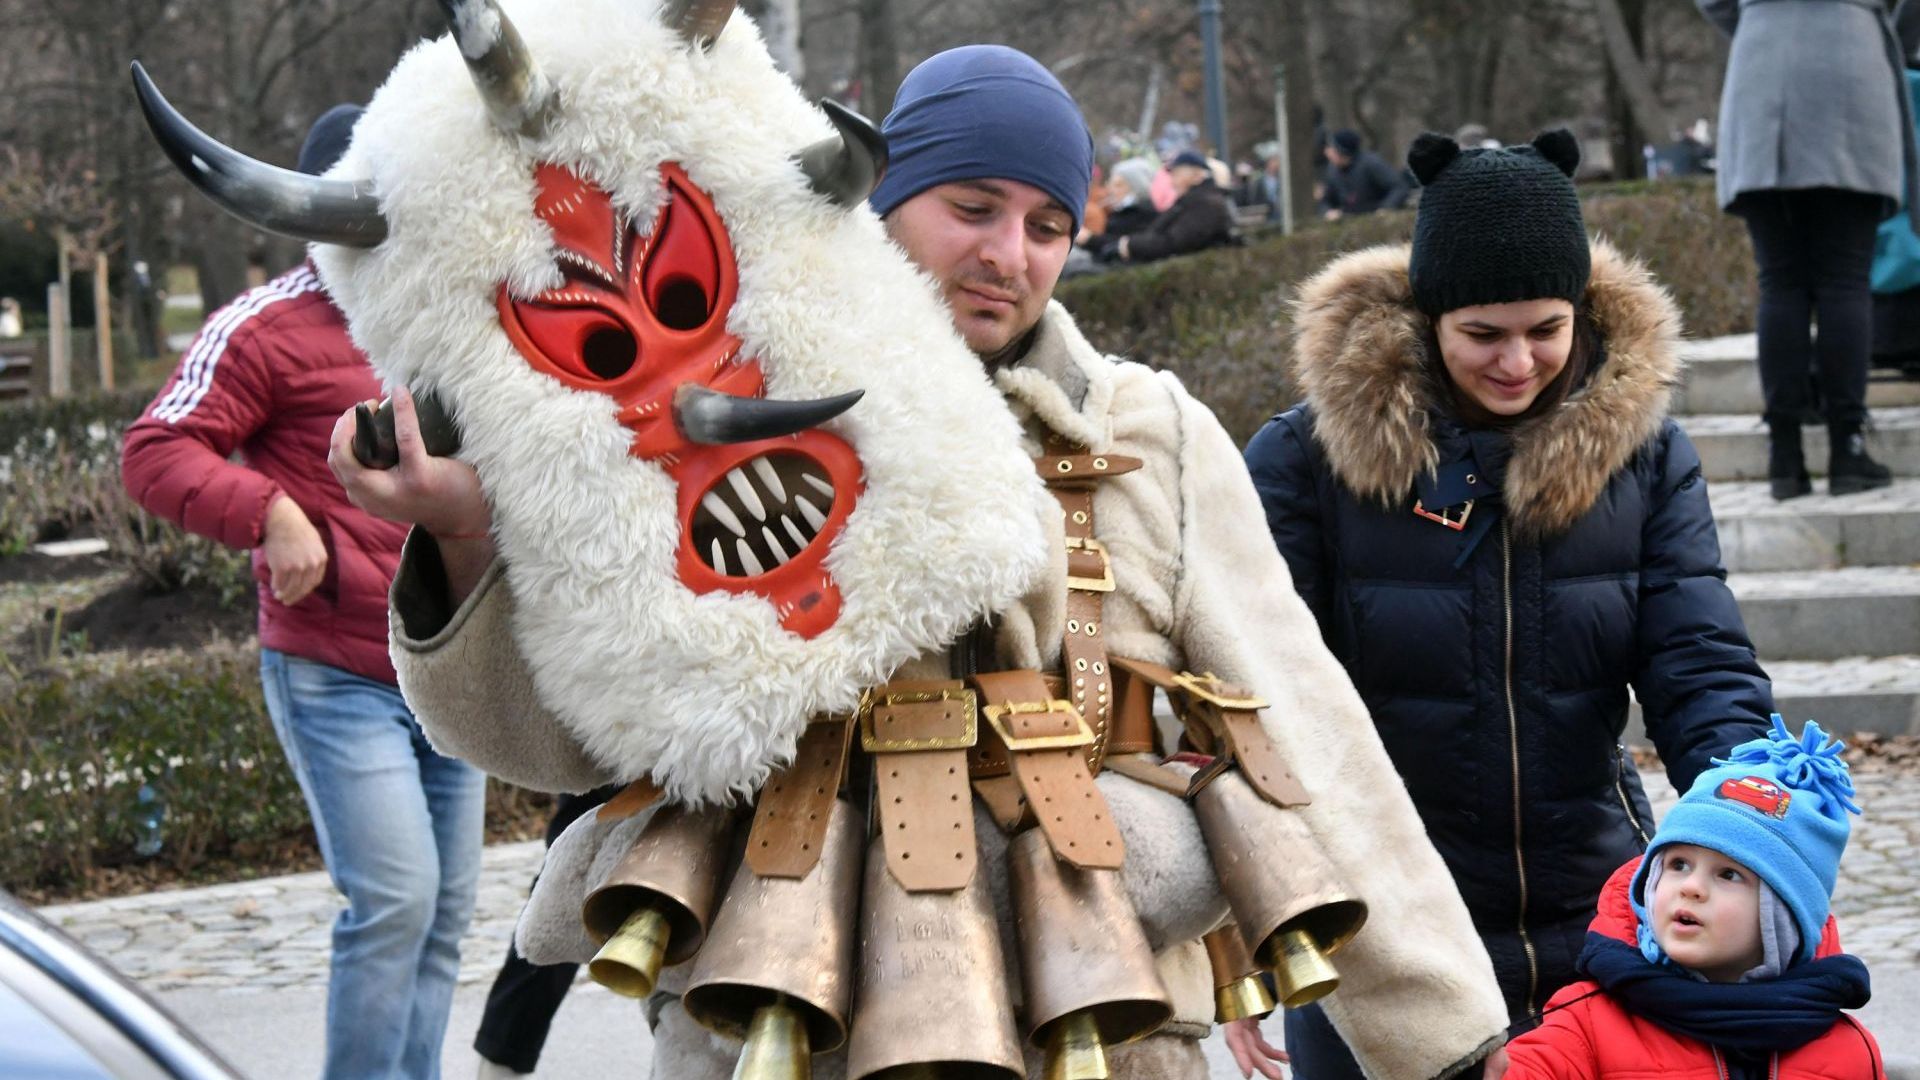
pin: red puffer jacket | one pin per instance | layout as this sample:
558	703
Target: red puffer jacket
1588	1036
267	377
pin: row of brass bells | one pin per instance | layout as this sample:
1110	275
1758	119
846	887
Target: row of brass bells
777	967
1088	974
1285	894
652	910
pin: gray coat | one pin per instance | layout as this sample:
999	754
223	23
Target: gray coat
1815	97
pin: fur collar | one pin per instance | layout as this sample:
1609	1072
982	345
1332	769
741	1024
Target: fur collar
1358	361
1063	381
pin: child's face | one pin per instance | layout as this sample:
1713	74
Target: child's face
1706	913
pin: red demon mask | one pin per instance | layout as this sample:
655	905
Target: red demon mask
643	320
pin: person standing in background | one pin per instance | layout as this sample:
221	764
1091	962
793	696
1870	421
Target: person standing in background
1816	148
398	824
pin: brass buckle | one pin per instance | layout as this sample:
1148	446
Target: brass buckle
1456	524
872	743
1211	689
1103	583
996	719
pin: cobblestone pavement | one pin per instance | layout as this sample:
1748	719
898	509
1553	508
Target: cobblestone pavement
274	932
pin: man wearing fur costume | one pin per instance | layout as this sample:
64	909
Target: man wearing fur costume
730	491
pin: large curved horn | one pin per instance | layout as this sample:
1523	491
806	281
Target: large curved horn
343	212
713	418
518	97
698	21
847	167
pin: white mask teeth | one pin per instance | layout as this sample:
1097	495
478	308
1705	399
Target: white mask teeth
715	505
749	562
780	555
749	498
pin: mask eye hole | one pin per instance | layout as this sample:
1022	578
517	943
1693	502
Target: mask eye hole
609	352
680	303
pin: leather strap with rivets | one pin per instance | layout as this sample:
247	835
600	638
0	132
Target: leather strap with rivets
1083	655
1224	720
1046	740
919	733
790	824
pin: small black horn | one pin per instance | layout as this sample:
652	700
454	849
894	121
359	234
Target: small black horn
847	167
714	419
518	97
343	212
698	21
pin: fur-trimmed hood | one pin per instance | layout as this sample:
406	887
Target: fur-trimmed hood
1359	362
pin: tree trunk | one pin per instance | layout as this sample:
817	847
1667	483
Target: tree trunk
1629	71
879	57
1327	80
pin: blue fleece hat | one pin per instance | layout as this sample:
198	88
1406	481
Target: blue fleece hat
984	112
1777	806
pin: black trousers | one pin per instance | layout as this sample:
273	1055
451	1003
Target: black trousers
520	1007
1814	248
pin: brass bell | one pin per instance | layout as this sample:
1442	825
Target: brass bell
1292	908
1075	1050
776	1045
780	954
652	908
932	999
1085	965
1238	989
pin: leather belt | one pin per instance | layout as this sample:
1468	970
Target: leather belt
919	733
790	824
1046	739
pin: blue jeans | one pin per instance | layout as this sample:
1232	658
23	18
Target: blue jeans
400	829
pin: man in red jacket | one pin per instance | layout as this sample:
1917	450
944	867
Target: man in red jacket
398	824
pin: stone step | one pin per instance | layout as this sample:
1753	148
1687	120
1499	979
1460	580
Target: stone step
1733	446
1831	614
1732	385
1819	531
1880	694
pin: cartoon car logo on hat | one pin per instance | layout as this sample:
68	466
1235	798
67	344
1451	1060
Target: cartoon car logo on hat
1763	795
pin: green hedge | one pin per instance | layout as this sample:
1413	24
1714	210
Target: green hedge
81	735
1220	319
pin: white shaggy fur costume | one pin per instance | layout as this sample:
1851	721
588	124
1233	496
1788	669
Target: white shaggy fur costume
1199	585
705	692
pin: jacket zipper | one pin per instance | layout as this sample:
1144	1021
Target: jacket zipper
1513	737
1720	1066
1620	785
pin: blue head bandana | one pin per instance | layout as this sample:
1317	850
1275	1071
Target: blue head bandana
984	112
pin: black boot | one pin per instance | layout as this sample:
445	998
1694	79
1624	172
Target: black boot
1849	469
1787	461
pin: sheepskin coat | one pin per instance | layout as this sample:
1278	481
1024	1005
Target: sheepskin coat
1200	587
1496	660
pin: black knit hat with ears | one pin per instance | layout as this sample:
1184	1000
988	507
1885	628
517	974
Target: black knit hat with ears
1497	225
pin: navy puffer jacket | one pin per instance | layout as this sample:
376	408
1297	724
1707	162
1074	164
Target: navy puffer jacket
1496	657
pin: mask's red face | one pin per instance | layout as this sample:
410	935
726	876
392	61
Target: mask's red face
639	316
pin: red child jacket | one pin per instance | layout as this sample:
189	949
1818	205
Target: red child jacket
266	379
1587	1035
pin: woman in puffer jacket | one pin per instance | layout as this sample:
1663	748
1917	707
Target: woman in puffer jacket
1501	534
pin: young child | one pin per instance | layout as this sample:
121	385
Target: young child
1713	957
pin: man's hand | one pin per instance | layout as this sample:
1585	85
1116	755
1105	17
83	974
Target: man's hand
440	494
1252	1051
296	558
1496	1065
1334	214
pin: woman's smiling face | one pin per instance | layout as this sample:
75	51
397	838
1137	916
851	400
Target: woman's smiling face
1501	356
